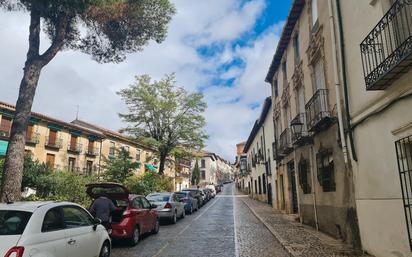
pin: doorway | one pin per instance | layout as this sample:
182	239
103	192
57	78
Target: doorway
291	171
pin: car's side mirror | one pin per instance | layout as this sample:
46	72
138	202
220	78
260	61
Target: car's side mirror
96	222
153	206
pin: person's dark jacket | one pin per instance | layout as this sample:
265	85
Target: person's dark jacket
102	208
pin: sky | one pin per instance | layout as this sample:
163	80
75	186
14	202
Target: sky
222	48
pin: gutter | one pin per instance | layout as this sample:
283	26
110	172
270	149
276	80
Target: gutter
349	128
337	82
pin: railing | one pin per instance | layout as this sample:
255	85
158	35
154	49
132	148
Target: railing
285	141
387	50
33	138
277	155
74	148
92	152
56	144
297	136
317	109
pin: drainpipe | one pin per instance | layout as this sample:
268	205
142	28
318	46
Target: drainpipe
312	167
337	83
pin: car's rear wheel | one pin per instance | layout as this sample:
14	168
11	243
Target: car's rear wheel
105	251
156	227
173	220
135	236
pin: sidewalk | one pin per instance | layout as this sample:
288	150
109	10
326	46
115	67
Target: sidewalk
298	239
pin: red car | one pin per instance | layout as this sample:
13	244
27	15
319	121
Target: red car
134	215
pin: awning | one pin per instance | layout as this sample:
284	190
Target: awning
3	147
150	167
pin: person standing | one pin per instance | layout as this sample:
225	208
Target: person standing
102	208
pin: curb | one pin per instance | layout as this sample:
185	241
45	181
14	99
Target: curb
282	242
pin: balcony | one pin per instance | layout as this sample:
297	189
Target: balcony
387	50
300	134
182	175
277	155
74	148
55	144
33	138
285	142
92	152
318	115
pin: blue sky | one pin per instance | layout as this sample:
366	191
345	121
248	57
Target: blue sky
221	48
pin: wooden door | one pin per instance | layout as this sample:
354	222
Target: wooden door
50	158
29	132
5	125
73	143
52	137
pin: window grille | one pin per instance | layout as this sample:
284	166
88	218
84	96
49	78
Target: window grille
304	176
326	172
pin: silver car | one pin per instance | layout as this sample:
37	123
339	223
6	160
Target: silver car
168	205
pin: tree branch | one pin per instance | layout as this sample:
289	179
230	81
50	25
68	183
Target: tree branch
34	35
58	41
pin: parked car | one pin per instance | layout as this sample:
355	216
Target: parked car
213	188
57	229
197	193
134	215
218	188
203	193
188	199
209	194
169	206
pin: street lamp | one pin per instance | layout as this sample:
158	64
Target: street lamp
296	126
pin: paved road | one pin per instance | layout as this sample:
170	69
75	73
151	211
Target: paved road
224	227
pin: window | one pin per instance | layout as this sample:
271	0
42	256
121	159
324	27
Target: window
90	147
296	48
404	156
275	88
29	132
319	75
203	174
72	163
75	217
137	204
300	100
256	188
260	185
50	160
52	137
89	167
145	203
137	155
326	172
303	169
13	222
264	183
285	74
203	164
314	12
5	126
73	143
53	220
112	148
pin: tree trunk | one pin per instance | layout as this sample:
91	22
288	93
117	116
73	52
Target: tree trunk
13	166
162	163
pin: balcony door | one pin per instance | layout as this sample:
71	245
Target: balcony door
72	163
50	159
29	132
73	143
90	147
5	126
52	137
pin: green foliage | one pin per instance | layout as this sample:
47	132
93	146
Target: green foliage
63	186
118	168
110	28
196	173
166	114
149	182
33	172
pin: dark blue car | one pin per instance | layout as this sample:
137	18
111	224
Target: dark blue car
187	197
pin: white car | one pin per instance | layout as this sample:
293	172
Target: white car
51	229
213	188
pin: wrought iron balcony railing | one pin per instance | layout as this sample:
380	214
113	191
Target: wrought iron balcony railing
300	132
387	50
285	141
74	148
277	155
317	111
57	143
33	138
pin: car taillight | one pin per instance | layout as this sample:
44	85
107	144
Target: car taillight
16	251
168	206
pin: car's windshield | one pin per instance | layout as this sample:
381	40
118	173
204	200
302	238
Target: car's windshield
181	195
13	222
158	198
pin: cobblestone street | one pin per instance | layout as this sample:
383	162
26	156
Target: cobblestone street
210	232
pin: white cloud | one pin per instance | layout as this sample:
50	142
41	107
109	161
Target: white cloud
73	78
